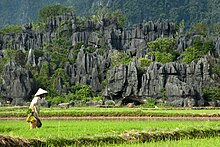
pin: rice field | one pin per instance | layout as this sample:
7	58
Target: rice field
56	132
199	142
114	132
93	111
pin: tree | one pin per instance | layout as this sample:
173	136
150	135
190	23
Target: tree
42	78
199	28
81	92
9	29
197	50
211	93
163	57
59	74
107	13
52	11
119	17
181	26
163	45
163	49
216	28
20	58
190	54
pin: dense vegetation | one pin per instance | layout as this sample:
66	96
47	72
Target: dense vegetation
163	50
54	10
197	50
193	11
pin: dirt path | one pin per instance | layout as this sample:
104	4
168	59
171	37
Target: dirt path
119	118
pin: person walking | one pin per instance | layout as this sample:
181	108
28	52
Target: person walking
34	108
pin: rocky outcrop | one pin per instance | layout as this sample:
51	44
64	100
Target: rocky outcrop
217	44
30	38
131	40
177	80
178	83
17	82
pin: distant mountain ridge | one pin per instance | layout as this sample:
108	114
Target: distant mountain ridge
23	11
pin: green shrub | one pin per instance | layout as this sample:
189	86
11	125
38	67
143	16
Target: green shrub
11	29
211	93
216	69
38	53
151	102
98	98
59	74
42	78
81	92
119	17
90	49
199	28
20	57
56	100
190	54
52	11
59	49
163	45
118	57
3	62
163	93
116	16
163	57
101	50
144	62
163	50
197	50
216	29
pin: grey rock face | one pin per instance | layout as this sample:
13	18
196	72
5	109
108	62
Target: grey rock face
17	82
179	82
132	80
86	69
179	79
190	102
217	44
117	78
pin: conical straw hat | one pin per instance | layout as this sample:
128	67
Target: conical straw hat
40	92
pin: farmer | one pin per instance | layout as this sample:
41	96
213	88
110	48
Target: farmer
35	109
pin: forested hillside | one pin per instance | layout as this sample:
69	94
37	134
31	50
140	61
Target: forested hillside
192	11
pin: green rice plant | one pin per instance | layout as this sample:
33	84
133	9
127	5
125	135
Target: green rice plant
58	139
203	142
93	133
95	111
